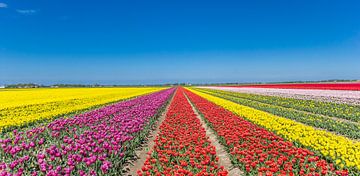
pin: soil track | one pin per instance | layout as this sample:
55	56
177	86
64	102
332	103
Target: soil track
142	153
224	159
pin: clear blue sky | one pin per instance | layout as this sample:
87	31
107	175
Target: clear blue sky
131	41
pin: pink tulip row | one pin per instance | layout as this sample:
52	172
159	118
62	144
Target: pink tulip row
338	96
94	143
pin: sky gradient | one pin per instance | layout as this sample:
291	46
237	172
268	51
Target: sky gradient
145	42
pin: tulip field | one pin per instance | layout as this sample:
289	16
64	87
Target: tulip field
285	130
25	106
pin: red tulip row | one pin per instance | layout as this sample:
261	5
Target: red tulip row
256	150
182	148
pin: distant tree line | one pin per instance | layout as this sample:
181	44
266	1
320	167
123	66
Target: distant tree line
34	85
24	85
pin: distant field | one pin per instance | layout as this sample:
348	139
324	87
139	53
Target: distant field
19	107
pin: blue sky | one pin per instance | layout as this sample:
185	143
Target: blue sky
135	42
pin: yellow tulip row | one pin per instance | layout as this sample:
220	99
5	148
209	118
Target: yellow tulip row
24	97
42	104
343	151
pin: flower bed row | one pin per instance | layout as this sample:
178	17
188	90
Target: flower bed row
333	96
94	143
322	86
342	127
340	149
181	147
256	150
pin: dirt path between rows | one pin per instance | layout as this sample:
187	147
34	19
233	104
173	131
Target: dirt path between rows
224	159
148	146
